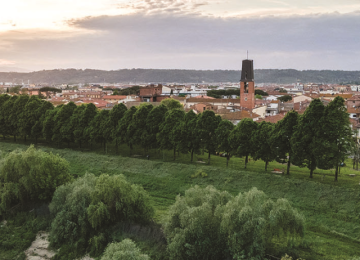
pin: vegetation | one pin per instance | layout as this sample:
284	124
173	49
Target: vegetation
331	209
30	176
220	93
285	98
125	250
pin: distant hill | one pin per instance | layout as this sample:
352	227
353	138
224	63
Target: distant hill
133	76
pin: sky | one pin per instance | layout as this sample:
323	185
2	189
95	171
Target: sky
180	34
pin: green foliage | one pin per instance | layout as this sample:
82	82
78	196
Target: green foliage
284	98
153	121
87	206
257	96
309	141
192	227
209	224
219	93
240	138
283	90
123	136
189	134
171	103
125	250
261	140
261	92
222	134
50	89
129	91
199	173
281	137
61	123
207	124
31	176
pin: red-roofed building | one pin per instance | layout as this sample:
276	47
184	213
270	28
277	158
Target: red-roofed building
113	98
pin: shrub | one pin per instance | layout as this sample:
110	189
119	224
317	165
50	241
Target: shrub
31	176
83	208
125	250
209	224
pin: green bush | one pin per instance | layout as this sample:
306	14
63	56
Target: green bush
90	204
30	176
209	224
125	250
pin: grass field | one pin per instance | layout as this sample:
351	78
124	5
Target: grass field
332	209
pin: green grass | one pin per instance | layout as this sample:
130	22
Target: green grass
332	209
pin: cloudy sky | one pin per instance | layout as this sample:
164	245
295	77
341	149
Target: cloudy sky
180	34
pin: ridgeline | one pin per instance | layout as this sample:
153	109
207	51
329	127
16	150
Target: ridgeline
134	76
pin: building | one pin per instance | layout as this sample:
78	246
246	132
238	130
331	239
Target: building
247	85
150	94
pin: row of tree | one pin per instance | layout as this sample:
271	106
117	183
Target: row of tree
321	137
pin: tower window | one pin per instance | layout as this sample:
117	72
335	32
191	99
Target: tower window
246	90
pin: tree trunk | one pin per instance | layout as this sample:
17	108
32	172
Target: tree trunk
116	146
266	164
357	164
174	153
25	138
311	172
288	166
35	139
192	155
336	171
354	163
14	138
246	161
227	159
209	158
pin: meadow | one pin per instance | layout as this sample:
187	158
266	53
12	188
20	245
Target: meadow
332	209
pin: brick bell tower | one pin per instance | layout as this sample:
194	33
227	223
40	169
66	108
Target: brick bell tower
247	85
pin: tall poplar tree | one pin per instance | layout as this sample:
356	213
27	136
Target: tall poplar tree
281	138
308	140
122	128
207	123
261	142
190	134
115	115
222	134
153	121
240	138
337	132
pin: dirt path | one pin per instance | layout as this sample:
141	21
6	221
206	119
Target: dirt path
39	248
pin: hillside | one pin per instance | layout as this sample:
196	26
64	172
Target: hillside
134	76
331	210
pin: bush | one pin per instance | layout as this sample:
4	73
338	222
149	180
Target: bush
209	224
125	250
30	176
90	204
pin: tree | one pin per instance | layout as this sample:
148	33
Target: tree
285	98
171	103
97	126
240	138
337	131
125	250
222	134
122	128
207	123
49	123
3	115
257	96
19	115
87	115
192	227
30	115
31	176
211	224
262	145
254	224
115	115
189	134
61	121
308	139
40	115
169	136
137	127
9	116
261	92
281	138
153	121
68	130
283	90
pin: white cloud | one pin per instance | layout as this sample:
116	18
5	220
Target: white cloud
163	40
